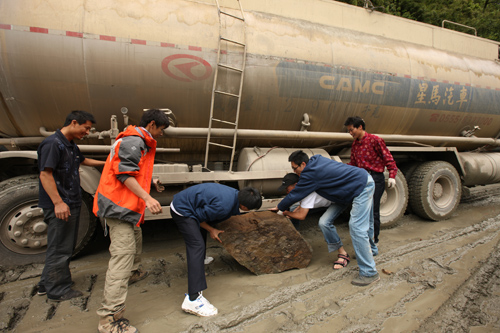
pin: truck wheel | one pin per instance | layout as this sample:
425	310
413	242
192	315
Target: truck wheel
23	233
435	190
407	169
393	203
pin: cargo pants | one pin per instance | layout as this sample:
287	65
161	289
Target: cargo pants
125	250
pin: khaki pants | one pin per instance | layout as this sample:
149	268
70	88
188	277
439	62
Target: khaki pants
125	250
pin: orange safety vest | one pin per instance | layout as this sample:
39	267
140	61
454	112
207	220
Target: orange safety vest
113	199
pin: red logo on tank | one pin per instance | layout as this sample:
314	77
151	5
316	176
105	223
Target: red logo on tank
185	67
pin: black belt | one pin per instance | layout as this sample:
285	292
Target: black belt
371	172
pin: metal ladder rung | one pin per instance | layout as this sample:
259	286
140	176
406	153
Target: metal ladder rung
232	41
224	121
226	93
220	145
234	16
233	65
232	68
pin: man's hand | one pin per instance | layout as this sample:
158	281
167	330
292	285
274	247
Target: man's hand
62	211
153	205
274	209
214	233
391	183
159	187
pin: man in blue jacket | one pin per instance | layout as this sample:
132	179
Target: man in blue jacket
193	210
341	184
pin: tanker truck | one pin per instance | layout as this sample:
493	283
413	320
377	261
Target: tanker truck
244	83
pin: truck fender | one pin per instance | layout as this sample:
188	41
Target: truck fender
89	179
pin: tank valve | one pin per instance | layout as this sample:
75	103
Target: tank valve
124	112
305	123
470	133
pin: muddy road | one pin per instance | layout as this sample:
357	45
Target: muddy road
435	277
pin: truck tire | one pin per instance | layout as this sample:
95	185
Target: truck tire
23	234
407	169
393	203
435	190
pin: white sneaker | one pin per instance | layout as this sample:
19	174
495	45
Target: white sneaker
200	306
208	260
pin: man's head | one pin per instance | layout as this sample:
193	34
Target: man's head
249	198
288	183
356	127
154	121
77	124
298	159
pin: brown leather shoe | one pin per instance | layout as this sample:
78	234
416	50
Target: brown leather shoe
116	324
137	276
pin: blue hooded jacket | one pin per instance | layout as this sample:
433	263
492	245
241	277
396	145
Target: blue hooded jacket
335	181
207	202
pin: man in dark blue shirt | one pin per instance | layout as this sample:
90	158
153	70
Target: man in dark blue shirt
60	198
341	184
193	210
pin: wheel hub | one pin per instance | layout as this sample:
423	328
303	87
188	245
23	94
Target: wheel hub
27	228
437	191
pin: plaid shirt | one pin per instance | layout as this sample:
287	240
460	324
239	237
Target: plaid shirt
371	154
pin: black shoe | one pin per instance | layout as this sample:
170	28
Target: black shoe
41	291
69	295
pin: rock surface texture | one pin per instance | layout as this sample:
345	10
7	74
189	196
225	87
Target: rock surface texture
265	242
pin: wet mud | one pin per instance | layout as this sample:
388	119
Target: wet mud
435	277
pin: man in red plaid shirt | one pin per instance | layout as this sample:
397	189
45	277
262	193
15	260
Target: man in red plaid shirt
369	152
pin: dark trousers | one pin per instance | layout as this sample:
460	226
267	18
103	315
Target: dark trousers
379	179
195	251
61	241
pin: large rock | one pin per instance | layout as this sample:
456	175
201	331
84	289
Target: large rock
265	242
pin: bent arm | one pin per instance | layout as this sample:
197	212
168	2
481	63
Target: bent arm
152	204
214	233
299	213
92	163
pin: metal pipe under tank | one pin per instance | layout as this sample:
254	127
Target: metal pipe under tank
198	132
195	132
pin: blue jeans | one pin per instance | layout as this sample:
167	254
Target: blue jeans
328	228
361	229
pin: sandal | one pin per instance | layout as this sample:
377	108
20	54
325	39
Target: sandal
343	261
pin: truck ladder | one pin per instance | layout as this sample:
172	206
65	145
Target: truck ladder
221	90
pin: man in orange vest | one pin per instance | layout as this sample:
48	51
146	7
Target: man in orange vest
121	200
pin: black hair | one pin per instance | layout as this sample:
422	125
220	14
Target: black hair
81	117
298	157
250	198
159	117
355	122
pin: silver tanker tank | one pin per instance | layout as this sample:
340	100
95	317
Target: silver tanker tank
304	67
322	58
